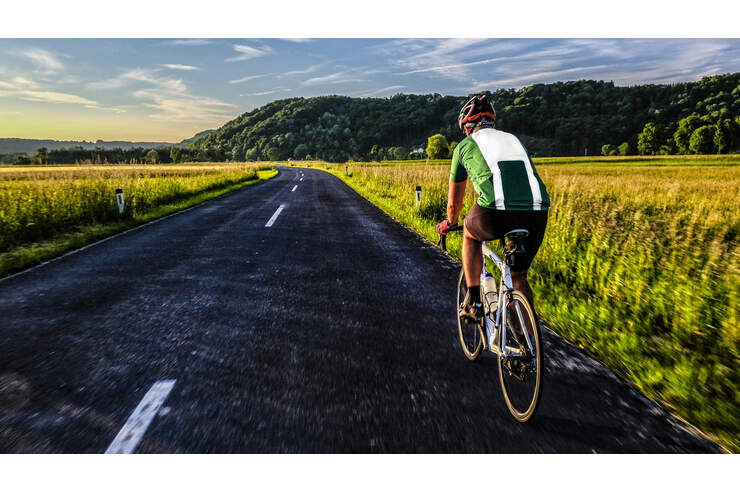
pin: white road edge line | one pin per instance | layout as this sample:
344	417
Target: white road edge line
294	188
275	216
135	427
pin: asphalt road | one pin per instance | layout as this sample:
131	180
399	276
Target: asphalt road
332	330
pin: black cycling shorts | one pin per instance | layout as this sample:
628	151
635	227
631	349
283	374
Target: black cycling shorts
492	224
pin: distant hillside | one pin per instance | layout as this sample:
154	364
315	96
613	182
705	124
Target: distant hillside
30	146
562	118
187	142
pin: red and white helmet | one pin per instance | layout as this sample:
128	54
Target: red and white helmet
472	112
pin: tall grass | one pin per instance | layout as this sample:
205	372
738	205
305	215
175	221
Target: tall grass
47	204
640	265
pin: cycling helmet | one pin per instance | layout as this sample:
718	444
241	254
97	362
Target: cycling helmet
472	112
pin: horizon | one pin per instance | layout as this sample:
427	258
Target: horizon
167	90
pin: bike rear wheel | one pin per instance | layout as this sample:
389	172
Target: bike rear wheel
521	373
471	338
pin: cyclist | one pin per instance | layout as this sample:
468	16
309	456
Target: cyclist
511	195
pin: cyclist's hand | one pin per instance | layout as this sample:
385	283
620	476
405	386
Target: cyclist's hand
444	227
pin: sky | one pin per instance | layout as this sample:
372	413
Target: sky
169	89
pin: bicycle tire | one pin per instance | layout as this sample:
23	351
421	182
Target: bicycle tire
471	337
522	409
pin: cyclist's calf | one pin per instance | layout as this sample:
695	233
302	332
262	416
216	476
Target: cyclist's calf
519	280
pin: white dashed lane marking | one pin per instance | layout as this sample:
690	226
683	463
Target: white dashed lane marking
135	427
294	188
275	216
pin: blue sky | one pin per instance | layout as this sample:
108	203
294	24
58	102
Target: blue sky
167	90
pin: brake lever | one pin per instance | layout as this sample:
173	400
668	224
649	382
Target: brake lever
442	243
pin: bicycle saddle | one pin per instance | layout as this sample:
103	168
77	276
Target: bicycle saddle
517	234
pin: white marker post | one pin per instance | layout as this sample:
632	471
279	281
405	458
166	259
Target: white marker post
418	194
119	199
346	171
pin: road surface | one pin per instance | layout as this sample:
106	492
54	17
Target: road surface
330	330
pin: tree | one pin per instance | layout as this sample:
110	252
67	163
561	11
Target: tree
608	150
667	149
720	138
727	136
300	151
152	157
453	144
683	133
273	154
176	155
702	140
649	140
398	153
623	149
437	147
41	155
375	153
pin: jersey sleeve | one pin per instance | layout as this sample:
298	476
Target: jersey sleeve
457	172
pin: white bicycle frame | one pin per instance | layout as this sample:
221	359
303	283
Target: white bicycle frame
504	291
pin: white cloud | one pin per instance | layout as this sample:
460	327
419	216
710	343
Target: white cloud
170	98
540	77
186	107
248	78
44	60
188	42
249	52
431	55
177	66
20	81
308	70
298	40
335	78
28	90
380	91
265	93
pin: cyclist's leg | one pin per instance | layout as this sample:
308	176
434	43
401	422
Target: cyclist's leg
519	280
477	228
472	253
535	222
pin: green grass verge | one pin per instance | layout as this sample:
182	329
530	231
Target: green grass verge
25	256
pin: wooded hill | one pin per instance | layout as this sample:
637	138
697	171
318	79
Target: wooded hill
558	119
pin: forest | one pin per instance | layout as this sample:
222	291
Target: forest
574	118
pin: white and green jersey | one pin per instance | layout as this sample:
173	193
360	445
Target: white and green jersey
501	171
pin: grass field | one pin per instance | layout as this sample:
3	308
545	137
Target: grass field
640	266
47	210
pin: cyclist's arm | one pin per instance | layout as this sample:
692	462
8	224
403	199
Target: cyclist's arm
458	178
455	201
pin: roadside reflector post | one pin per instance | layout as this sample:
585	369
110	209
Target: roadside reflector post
418	194
119	199
346	171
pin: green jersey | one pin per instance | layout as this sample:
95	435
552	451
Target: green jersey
501	171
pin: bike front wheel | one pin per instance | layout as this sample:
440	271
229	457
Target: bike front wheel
471	334
522	370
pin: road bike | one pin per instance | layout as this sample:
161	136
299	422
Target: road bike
508	329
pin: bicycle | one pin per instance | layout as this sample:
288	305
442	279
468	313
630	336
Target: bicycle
509	330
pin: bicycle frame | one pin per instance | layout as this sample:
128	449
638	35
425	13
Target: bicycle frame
505	289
